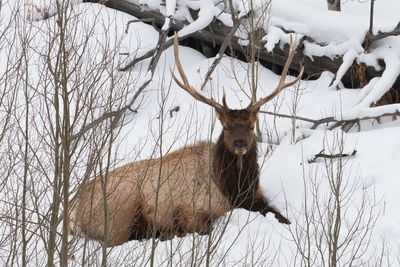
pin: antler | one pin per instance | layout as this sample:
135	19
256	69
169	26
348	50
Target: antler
282	85
187	87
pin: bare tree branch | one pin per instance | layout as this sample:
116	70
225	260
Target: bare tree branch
144	20
150	53
330	156
338	123
381	35
221	52
117	115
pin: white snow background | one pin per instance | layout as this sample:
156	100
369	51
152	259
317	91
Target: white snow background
287	177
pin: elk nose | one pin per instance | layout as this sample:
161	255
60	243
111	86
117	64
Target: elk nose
240	143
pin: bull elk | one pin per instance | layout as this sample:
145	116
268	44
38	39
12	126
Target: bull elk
186	190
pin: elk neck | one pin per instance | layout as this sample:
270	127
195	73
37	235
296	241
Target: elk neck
236	176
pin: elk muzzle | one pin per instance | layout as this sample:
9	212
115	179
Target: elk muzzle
240	146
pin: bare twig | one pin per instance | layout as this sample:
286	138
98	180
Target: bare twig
221	52
117	115
150	53
293	117
330	156
316	123
348	125
145	20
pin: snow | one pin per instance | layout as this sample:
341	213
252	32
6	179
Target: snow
348	59
287	178
170	6
277	36
205	16
317	22
341	34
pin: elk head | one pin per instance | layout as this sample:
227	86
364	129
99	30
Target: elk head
238	124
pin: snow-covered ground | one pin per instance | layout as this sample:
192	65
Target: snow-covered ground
368	181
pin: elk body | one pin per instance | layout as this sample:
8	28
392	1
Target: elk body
184	191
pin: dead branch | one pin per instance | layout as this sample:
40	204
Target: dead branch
221	52
381	35
330	156
152	21
327	120
347	124
292	117
156	52
150	53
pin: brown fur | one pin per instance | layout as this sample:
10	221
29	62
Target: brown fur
193	186
185	190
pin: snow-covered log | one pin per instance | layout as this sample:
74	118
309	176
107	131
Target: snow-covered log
209	25
215	33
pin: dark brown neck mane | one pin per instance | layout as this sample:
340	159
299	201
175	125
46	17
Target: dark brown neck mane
237	181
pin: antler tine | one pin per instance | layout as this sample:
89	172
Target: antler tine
185	84
282	85
225	105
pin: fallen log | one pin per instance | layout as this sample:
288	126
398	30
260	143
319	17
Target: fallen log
214	36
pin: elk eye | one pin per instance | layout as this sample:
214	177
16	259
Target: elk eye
225	128
252	128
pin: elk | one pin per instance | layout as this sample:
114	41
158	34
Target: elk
184	191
